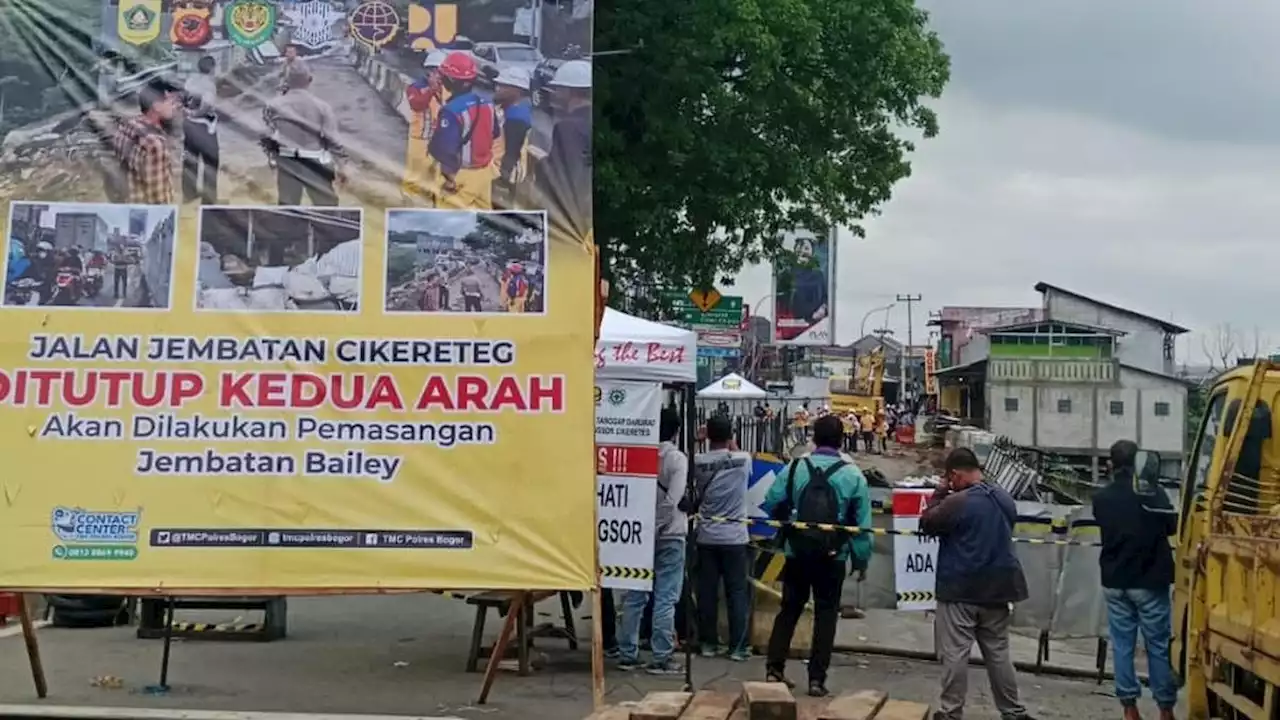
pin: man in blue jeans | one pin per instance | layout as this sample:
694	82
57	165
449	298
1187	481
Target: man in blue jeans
1136	520
672	525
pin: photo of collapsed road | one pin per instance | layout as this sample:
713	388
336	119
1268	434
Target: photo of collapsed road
279	260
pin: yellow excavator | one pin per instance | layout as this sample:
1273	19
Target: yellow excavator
1226	606
865	389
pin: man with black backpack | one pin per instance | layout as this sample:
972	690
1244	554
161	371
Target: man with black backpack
818	488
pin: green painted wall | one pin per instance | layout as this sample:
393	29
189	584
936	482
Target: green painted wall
1041	351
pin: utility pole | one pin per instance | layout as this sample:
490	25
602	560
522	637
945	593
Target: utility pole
906	352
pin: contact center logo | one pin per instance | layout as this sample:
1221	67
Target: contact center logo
95	526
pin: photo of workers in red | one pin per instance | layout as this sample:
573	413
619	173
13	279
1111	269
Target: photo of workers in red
326	103
449	261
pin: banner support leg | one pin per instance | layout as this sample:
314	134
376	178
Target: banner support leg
515	614
33	647
163	687
597	646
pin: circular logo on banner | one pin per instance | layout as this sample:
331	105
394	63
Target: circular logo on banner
617	396
250	22
191	27
599	394
374	23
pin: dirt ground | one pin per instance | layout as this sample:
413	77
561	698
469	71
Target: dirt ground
405	655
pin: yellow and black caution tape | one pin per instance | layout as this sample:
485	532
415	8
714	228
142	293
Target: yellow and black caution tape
853	529
626	573
913	596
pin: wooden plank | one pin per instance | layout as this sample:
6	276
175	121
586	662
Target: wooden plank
855	706
903	710
768	701
810	708
710	705
661	706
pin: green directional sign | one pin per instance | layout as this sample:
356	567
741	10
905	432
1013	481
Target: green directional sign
726	313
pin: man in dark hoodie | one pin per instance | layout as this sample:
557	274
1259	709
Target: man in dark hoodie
978	580
1137	572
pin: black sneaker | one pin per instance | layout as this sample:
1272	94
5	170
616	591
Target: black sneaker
817	689
628	664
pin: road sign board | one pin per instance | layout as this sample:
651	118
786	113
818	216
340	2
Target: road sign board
705	300
727	313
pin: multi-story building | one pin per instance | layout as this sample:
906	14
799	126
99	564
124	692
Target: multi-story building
1072	379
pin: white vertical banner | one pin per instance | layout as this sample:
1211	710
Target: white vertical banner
914	558
627	481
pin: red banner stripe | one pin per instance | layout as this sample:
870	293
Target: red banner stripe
626	460
907	503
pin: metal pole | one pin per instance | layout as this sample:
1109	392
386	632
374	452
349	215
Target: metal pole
909	300
686	593
168	643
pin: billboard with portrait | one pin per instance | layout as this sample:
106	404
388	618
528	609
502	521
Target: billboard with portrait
803	304
295	295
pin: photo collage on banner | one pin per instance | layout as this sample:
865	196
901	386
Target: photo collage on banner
802	291
317	272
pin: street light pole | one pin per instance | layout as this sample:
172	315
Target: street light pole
862	330
902	361
753	309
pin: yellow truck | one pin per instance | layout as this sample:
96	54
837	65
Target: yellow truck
1226	619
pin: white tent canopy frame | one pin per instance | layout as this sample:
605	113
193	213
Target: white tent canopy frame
732	387
631	348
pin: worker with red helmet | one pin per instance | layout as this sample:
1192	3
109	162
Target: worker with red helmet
425	97
515	288
463	139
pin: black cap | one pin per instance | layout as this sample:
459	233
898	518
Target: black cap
962	459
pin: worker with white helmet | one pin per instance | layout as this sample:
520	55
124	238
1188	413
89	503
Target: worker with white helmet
564	178
425	97
511	153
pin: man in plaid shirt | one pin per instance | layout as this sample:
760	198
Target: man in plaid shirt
142	145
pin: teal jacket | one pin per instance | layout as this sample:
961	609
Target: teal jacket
849	485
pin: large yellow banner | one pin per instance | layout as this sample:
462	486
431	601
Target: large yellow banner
304	309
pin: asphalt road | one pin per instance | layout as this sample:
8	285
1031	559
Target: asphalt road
491	292
404	654
372	133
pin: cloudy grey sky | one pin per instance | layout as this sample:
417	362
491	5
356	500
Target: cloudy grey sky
441	222
1127	151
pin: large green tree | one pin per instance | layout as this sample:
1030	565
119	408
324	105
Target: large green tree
722	123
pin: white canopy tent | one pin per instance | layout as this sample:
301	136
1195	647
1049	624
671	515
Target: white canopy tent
732	387
631	348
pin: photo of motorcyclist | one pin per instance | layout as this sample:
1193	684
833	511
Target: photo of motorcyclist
33	284
59	254
94	268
